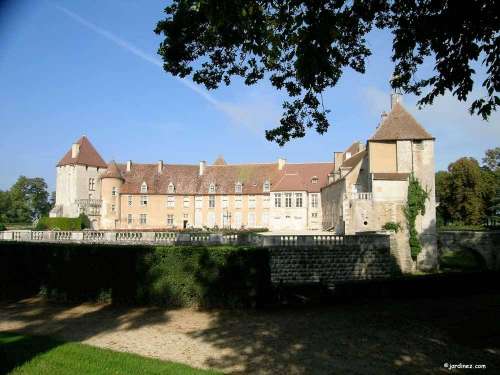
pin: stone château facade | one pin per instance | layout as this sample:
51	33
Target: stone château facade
363	188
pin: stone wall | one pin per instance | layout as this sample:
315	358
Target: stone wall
368	258
487	244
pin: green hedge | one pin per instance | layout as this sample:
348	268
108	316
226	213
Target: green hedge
2	226
217	276
63	223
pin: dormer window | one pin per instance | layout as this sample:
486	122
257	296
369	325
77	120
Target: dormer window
314	180
144	187
238	188
266	187
211	188
171	188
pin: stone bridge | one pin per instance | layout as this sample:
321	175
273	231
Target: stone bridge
486	244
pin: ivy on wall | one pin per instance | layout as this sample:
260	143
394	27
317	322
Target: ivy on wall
415	206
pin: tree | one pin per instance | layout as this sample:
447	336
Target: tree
491	159
443	195
304	46
28	199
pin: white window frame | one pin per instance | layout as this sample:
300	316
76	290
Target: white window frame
170	220
211	188
211	201
198	202
238	201
171	201
252	220
252	201
143	219
130	201
114	191
91	184
129	219
238	188
144	200
144	187
298	200
113	207
314	200
288	200
277	200
186	202
225	201
266	187
171	188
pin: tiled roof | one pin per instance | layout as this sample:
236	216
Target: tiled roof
113	171
87	156
391	176
400	125
220	161
186	180
354	148
354	160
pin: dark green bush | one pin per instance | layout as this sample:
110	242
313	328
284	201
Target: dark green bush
60	223
390	225
2	226
217	276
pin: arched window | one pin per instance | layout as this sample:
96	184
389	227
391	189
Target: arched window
171	188
238	187
144	187
266	187
211	188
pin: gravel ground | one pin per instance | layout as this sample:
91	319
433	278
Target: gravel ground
375	337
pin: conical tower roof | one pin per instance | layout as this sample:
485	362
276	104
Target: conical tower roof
113	171
87	155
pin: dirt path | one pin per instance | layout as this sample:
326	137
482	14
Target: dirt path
407	337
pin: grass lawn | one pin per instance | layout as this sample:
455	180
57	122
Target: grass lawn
21	354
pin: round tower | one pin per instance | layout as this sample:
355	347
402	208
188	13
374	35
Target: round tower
111	183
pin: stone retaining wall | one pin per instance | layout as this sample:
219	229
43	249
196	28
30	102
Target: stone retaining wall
369	258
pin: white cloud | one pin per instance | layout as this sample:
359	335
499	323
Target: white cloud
254	115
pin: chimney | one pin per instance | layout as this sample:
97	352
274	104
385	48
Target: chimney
129	165
160	166
395	98
347	155
203	165
281	163
338	158
75	150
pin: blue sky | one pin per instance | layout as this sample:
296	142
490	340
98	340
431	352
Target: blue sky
90	67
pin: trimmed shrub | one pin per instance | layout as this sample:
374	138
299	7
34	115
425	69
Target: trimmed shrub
217	276
60	223
2	226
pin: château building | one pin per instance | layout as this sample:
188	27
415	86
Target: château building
361	189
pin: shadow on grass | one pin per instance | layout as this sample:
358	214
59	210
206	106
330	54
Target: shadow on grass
16	350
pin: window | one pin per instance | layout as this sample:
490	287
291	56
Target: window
238	188
238	202
171	188
277	200
267	187
113	208
251	219
130	201
251	201
211	188
113	191
225	201
266	201
265	218
186	202
171	201
129	219
298	199
419	145
288	200
170	220
91	184
198	202
143	219
314	214
144	187
211	201
211	219
144	200
237	220
314	200
314	180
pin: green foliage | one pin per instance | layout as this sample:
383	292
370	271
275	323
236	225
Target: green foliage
491	159
390	225
60	223
2	226
415	206
39	355
217	276
25	201
462	260
304	47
